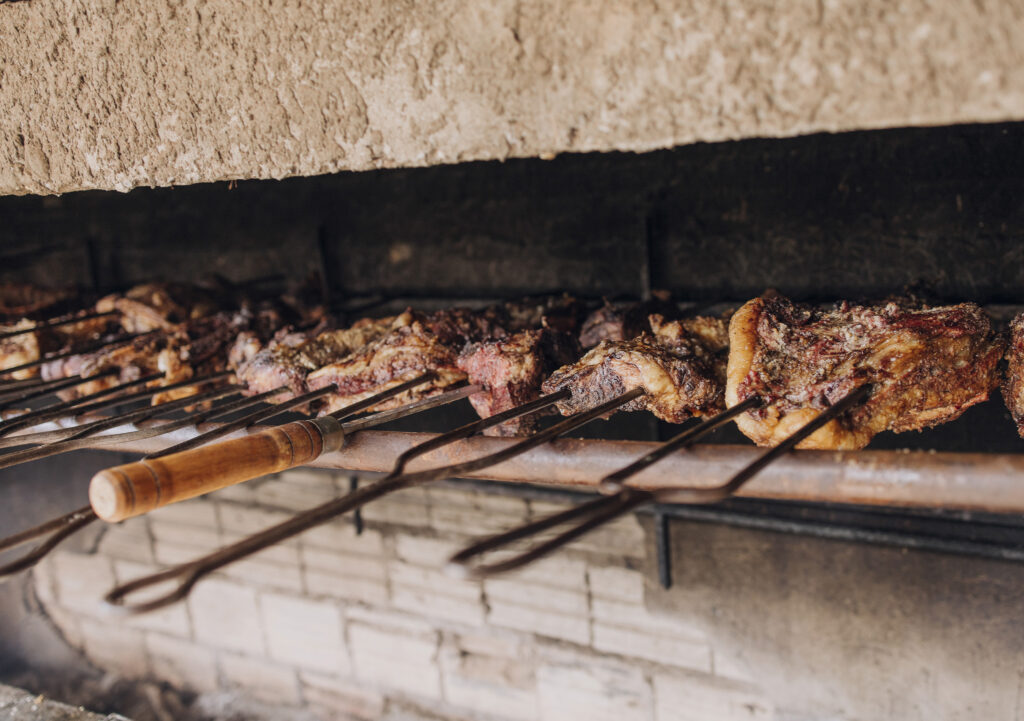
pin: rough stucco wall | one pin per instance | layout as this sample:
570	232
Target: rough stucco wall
109	94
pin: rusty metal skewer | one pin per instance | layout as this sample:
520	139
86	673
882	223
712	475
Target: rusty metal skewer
66	408
47	387
110	343
59	434
624	499
80	436
188	574
64	526
57	322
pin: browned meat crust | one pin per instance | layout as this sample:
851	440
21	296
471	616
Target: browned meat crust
926	366
1013	384
678	372
622	321
18	300
511	371
30	347
161	306
407	350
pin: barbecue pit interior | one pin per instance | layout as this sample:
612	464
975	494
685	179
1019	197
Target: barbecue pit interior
770	590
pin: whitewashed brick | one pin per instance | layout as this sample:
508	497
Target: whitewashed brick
280	493
510	508
683	698
344	565
180	534
331	698
240	493
406	574
182	663
422	551
617	584
352	588
405	508
474	514
305	633
225	615
434	605
340	535
543	623
172	620
390	620
196	512
241	520
394	659
596	692
171	554
265	574
128	540
494	643
284	553
488	685
274	683
636	616
555	571
82	581
114	648
315	477
664	649
621	538
544	598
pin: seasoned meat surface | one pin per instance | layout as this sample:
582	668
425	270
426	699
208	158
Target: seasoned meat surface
160	306
32	346
408	349
290	358
623	321
18	300
511	371
1013	384
926	366
675	369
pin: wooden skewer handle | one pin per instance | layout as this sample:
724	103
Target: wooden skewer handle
136	488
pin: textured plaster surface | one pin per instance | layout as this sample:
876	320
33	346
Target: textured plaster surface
113	95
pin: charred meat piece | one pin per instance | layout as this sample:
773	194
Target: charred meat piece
291	357
678	372
1013	384
623	321
161	306
32	346
926	366
511	371
561	313
458	326
407	350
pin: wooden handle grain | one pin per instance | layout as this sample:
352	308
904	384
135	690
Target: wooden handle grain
136	488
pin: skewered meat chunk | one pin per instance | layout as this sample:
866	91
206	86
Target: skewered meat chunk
32	346
926	366
676	370
290	358
511	371
1013	384
623	321
561	313
409	349
19	300
160	306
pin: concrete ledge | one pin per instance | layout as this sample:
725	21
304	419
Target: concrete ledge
113	95
19	705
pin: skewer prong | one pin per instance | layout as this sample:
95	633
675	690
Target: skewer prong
57	322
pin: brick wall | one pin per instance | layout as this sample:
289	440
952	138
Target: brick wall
367	626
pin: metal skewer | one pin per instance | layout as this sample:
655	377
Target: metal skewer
47	387
188	574
624	499
63	433
43	325
64	526
111	343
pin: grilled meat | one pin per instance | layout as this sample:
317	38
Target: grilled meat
30	347
21	300
926	366
623	321
161	306
511	371
1013	384
678	369
408	349
560	313
291	357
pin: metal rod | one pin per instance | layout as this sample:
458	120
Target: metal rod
60	526
43	325
74	431
47	387
57	528
604	510
57	410
111	343
80	438
188	574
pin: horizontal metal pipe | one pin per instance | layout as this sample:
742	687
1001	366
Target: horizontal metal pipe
923	479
